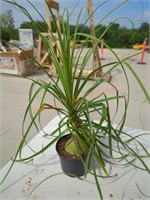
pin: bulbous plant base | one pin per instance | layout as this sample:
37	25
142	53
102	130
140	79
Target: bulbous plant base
70	164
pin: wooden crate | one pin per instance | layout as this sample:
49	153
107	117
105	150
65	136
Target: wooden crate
17	62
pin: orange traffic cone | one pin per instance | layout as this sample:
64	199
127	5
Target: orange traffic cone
143	52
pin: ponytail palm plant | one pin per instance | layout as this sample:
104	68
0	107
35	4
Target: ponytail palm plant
74	102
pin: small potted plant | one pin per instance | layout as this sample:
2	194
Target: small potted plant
79	138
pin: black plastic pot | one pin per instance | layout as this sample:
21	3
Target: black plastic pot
70	166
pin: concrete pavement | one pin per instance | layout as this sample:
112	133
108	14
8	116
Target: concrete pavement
14	99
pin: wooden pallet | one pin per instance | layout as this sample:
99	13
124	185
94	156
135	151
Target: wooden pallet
42	55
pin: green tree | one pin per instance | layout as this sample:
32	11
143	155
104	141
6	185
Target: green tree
42	27
5	36
100	29
7	21
114	26
111	38
7	26
144	27
123	38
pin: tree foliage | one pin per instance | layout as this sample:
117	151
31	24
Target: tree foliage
116	36
7	21
7	26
